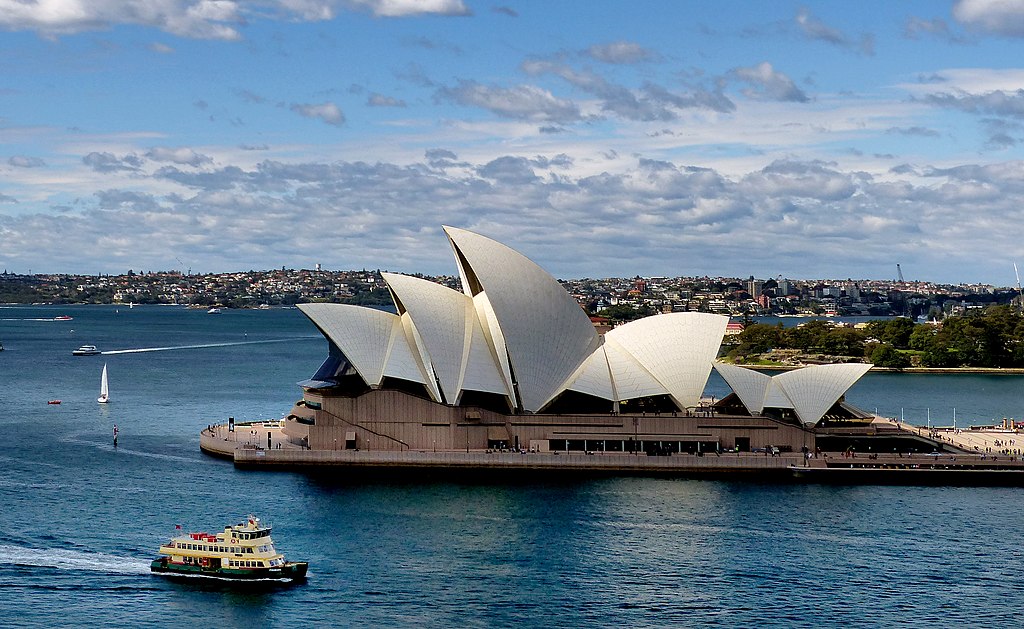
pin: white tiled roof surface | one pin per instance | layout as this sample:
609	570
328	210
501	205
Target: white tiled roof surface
546	332
810	391
678	349
815	389
445	326
593	376
362	334
750	386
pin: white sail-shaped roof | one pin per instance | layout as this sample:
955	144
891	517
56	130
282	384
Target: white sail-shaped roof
402	362
495	339
449	335
678	349
775	396
593	377
810	391
813	390
749	386
630	379
547	335
371	339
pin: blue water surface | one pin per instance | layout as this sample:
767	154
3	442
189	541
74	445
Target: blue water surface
81	520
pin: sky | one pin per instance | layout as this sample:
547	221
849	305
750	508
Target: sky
599	138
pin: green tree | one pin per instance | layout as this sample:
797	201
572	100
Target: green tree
843	342
758	338
807	336
885	355
897	332
922	337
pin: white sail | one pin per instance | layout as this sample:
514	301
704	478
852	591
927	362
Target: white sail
104	389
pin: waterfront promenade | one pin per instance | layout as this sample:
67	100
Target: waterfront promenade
262	445
246	445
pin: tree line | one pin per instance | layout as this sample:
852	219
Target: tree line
993	337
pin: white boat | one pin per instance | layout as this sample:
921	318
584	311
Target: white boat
213	310
85	350
104	389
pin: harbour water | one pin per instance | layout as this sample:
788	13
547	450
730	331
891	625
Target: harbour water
81	520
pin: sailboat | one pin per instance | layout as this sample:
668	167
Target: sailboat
104	390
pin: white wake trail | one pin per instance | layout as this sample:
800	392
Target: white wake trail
205	345
72	560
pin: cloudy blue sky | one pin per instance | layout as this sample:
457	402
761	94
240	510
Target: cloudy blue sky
600	138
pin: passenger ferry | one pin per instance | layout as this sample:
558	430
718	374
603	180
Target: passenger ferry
243	552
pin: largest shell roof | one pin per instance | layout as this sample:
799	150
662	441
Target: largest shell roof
514	331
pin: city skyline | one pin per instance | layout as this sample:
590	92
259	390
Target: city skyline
684	139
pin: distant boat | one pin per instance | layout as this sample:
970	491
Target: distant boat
104	389
213	310
62	318
54	402
85	350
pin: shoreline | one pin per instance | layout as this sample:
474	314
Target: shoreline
994	371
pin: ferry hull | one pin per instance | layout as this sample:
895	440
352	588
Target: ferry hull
291	571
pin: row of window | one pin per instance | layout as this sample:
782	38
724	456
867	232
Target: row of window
238	563
236	550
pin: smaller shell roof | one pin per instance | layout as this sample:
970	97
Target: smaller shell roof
373	340
810	391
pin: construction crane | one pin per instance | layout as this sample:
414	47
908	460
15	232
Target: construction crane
1020	294
899	272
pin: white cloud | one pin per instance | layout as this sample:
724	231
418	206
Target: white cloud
813	28
25	161
619	52
179	155
379	100
767	83
521	102
653	216
327	112
405	8
1000	17
196	19
199	19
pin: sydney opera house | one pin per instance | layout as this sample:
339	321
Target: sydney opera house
514	362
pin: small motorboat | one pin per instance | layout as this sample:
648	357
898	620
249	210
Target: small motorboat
86	350
214	310
54	402
62	318
242	552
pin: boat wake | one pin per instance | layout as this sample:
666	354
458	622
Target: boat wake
64	559
127	451
205	345
31	319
